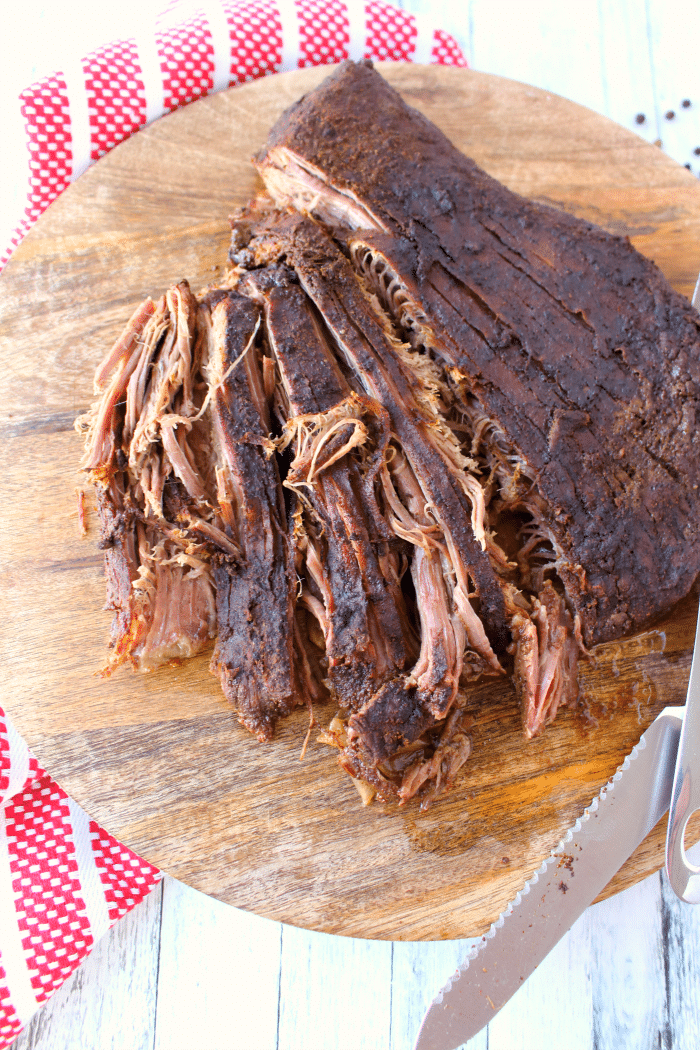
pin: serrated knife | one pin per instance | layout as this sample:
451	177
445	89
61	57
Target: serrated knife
581	866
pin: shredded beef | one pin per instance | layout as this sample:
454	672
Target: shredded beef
428	432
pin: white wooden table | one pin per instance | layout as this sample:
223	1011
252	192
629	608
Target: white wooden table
184	972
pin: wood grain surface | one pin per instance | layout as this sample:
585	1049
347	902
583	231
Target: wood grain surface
160	759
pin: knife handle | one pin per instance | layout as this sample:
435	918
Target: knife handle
685	800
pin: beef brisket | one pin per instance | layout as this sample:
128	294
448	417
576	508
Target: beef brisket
141	447
192	515
561	334
428	432
450	567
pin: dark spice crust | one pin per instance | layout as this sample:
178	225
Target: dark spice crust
570	340
254	656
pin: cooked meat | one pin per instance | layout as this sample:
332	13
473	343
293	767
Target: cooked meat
443	534
349	565
159	584
428	432
561	334
330	282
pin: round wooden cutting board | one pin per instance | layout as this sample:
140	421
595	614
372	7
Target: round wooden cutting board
160	760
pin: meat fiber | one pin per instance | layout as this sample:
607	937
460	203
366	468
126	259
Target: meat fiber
141	436
350	559
346	544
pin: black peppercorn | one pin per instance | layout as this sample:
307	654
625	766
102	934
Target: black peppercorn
670	114
686	103
640	118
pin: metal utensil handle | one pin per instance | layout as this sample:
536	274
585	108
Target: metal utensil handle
684	876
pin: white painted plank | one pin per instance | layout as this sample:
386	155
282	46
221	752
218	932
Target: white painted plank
554	1007
108	1003
628	81
606	984
553	45
680	924
627	976
675	45
419	971
335	992
218	982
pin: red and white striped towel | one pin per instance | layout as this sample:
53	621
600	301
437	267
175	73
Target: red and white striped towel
80	112
63	879
63	882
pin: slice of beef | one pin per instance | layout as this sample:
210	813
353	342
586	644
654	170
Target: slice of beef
563	335
102	426
119	541
351	556
254	653
392	710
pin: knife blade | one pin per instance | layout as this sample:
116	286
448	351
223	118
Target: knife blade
591	852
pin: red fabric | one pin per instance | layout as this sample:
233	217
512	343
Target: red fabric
43	891
324	31
10	1024
255	31
45	112
5	760
50	910
186	61
116	99
391	34
446	51
126	877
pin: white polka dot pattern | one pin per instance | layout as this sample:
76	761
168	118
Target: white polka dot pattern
10	1024
324	32
255	32
45	109
126	878
4	758
391	34
50	911
115	93
186	61
446	51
